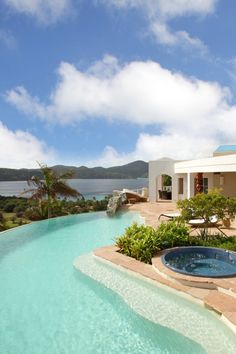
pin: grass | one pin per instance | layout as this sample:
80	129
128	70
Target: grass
11	220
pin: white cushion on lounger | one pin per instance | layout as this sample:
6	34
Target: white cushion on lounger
171	215
212	219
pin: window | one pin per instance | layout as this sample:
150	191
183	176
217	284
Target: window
180	186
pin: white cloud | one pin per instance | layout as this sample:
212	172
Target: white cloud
25	102
167	8
160	12
139	92
164	35
45	11
193	116
151	147
21	149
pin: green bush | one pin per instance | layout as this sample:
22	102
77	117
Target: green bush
172	234
143	242
139	241
20	208
206	205
219	241
9	207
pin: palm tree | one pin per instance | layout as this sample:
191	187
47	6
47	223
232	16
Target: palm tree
50	187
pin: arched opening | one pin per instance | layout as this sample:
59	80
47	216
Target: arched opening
164	187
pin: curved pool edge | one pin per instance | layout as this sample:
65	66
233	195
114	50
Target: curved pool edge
70	215
215	299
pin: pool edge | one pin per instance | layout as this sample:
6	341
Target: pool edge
215	300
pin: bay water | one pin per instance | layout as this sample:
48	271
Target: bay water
89	188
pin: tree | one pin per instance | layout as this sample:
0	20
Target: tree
167	180
206	205
52	186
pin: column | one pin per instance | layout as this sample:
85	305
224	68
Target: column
188	185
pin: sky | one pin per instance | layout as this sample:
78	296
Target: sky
107	82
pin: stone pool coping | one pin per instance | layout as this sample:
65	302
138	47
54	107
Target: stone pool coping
220	297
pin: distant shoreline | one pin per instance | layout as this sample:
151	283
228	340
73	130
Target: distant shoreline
89	188
136	169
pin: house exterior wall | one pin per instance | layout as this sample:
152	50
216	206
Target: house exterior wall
220	172
156	169
226	182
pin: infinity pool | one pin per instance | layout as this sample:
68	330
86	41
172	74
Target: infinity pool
48	307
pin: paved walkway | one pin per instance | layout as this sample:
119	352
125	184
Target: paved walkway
151	212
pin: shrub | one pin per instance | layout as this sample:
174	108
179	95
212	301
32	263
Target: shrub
228	243
9	207
20	214
35	213
205	205
142	242
19	208
139	242
172	234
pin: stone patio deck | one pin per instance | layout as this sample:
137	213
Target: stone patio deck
151	211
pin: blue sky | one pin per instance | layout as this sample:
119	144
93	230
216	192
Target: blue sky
106	82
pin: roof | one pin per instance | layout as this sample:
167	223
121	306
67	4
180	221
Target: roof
225	163
226	148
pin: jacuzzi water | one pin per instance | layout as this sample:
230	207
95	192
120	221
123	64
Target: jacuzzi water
48	307
201	261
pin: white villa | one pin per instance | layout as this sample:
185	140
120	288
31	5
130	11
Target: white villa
192	176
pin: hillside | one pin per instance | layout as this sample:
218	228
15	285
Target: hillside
136	169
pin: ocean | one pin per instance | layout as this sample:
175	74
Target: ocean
90	188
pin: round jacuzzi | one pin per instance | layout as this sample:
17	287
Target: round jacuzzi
201	261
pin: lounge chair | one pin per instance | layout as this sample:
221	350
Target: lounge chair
170	215
213	221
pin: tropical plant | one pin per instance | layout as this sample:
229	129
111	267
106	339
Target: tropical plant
167	180
206	205
52	186
139	242
143	242
172	234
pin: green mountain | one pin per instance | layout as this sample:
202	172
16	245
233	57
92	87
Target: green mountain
136	169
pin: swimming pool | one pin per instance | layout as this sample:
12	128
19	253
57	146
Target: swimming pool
46	306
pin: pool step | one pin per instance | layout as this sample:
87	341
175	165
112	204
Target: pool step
213	298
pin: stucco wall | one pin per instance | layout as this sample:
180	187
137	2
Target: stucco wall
229	183
156	169
167	166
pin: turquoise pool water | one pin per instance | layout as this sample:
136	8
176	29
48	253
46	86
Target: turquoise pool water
46	306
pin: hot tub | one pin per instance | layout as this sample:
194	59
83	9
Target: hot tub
201	261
